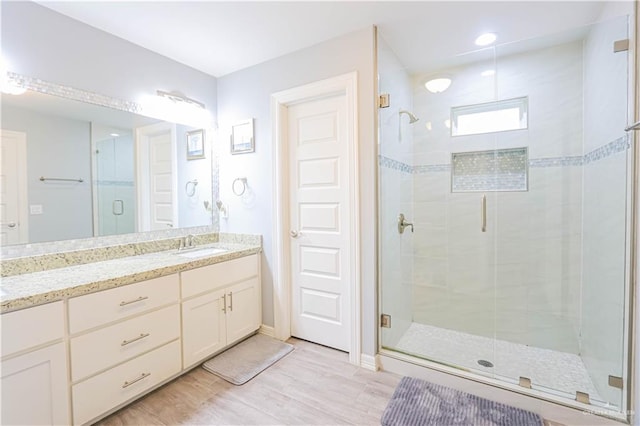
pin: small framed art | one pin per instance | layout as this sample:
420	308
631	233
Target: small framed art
195	144
242	140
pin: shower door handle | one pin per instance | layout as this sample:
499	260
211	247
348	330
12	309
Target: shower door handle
117	207
483	213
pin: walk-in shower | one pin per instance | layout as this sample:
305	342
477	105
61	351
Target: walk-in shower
517	183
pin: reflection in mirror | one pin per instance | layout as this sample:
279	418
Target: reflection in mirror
75	170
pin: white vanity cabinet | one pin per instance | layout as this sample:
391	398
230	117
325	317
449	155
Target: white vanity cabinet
221	305
34	367
123	342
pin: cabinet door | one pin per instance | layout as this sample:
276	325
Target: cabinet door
243	309
34	388
203	327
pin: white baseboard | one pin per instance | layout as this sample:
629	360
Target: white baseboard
267	330
369	362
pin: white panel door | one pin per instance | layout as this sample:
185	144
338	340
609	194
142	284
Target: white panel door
319	219
156	177
13	188
161	179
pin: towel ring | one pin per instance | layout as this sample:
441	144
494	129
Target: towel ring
241	188
190	187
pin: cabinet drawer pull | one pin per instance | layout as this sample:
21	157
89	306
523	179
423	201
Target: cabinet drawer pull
139	299
137	379
135	339
224	303
231	301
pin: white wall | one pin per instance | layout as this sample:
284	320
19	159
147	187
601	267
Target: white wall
246	94
56	147
41	43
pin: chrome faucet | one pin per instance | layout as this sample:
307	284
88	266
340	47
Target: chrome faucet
402	223
187	242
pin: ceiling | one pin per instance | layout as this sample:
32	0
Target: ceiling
220	37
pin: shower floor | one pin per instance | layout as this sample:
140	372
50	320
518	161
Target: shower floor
557	372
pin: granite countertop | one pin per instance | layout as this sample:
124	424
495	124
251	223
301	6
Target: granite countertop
26	290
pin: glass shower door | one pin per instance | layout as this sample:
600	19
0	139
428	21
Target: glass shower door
114	185
561	245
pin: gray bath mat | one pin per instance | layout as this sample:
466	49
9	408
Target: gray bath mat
419	403
247	359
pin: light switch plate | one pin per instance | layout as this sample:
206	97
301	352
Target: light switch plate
35	209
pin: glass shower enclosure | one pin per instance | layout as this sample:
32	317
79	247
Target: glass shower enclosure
511	260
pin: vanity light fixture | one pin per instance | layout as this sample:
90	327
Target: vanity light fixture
115	135
488	73
486	39
438	85
179	97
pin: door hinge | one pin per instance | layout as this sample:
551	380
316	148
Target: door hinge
385	321
384	100
621	45
582	397
616	382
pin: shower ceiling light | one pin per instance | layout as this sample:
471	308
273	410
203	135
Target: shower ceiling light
488	73
486	39
438	85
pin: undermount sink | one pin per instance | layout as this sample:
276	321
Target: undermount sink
207	251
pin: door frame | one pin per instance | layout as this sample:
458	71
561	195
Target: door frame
346	84
20	139
143	184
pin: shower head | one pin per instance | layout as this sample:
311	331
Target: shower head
412	118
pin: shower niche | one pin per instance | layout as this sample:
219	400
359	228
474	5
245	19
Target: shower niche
518	270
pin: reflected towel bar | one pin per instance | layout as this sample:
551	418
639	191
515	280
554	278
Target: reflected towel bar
634	126
42	178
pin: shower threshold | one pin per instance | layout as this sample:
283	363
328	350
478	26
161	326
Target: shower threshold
559	373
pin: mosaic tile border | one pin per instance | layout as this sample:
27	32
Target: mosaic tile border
621	144
72	93
113	183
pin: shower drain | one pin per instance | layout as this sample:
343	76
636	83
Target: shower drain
485	363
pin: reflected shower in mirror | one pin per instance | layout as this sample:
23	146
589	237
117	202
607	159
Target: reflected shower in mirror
76	170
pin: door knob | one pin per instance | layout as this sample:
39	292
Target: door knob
295	234
11	225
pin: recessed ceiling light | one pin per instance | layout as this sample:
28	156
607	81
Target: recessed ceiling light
428	125
115	135
486	39
488	73
438	85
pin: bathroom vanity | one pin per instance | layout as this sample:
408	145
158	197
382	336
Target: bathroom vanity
81	341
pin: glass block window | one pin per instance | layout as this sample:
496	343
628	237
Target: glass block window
499	116
494	170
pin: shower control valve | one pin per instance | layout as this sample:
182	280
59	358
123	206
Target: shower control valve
402	223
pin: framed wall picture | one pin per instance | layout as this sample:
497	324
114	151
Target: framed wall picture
242	137
195	144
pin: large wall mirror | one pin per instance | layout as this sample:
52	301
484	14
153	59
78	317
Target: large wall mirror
75	170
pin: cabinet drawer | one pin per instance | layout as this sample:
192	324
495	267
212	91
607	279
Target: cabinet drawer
211	277
107	390
100	308
31	327
112	345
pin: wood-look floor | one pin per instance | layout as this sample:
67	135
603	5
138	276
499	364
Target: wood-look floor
313	385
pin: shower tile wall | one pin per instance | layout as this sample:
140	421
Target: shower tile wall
395	192
604	185
519	281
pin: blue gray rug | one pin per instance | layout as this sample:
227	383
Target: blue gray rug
419	403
